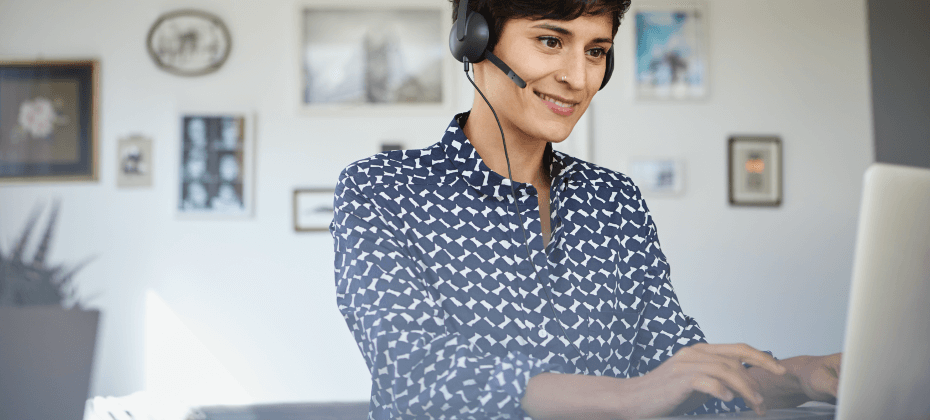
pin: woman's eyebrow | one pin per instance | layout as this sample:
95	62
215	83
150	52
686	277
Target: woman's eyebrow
566	32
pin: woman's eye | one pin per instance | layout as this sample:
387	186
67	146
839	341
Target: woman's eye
549	41
597	52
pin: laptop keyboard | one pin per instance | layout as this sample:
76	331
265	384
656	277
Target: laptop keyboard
806	413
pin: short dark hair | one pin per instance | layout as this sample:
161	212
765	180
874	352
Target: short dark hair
498	12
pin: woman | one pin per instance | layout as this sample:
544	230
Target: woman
456	321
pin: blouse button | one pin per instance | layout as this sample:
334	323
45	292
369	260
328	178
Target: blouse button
543	334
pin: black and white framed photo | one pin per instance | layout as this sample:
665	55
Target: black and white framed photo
372	59
755	167
313	209
134	166
189	42
671	50
215	173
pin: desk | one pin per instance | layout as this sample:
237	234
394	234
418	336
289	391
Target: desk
291	411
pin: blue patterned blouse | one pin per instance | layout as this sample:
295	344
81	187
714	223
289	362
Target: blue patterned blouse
433	280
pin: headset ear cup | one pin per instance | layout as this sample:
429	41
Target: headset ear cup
610	67
475	42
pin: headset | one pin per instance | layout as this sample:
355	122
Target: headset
468	41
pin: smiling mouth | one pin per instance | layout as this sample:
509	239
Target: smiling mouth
545	97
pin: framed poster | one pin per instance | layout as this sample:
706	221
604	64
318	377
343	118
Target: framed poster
48	121
671	51
313	209
134	166
755	171
375	58
658	176
216	165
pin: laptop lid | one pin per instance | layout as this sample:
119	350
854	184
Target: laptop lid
885	372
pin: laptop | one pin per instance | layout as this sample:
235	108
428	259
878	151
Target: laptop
885	373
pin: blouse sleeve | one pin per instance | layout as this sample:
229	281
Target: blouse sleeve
418	367
665	329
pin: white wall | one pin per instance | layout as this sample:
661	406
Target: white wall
260	297
775	278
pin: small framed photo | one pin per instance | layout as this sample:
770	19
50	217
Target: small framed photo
48	120
755	171
658	176
386	58
134	166
671	50
215	176
313	209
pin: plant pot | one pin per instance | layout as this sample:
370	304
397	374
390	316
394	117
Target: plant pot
46	353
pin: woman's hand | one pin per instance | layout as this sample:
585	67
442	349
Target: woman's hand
819	378
693	374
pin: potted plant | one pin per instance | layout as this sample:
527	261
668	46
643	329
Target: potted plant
46	338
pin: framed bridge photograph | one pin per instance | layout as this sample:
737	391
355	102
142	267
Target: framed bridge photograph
369	60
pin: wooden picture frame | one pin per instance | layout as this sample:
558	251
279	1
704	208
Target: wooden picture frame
134	162
313	209
755	171
49	121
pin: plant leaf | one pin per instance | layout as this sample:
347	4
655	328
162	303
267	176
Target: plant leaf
17	255
41	252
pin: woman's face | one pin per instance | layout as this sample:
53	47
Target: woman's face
542	52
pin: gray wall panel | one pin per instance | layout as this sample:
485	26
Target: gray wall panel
899	32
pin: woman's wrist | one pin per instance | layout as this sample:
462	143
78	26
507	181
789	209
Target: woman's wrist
561	396
784	391
797	369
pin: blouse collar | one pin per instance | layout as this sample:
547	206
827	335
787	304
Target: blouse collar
479	176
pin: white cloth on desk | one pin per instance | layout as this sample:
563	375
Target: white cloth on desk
140	405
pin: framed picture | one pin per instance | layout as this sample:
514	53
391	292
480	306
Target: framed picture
48	121
313	209
189	42
658	176
216	165
671	51
755	171
134	166
375	58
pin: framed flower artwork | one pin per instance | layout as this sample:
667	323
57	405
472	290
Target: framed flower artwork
48	121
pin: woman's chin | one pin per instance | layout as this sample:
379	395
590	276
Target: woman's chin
556	131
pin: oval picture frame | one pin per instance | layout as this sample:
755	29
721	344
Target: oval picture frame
189	42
